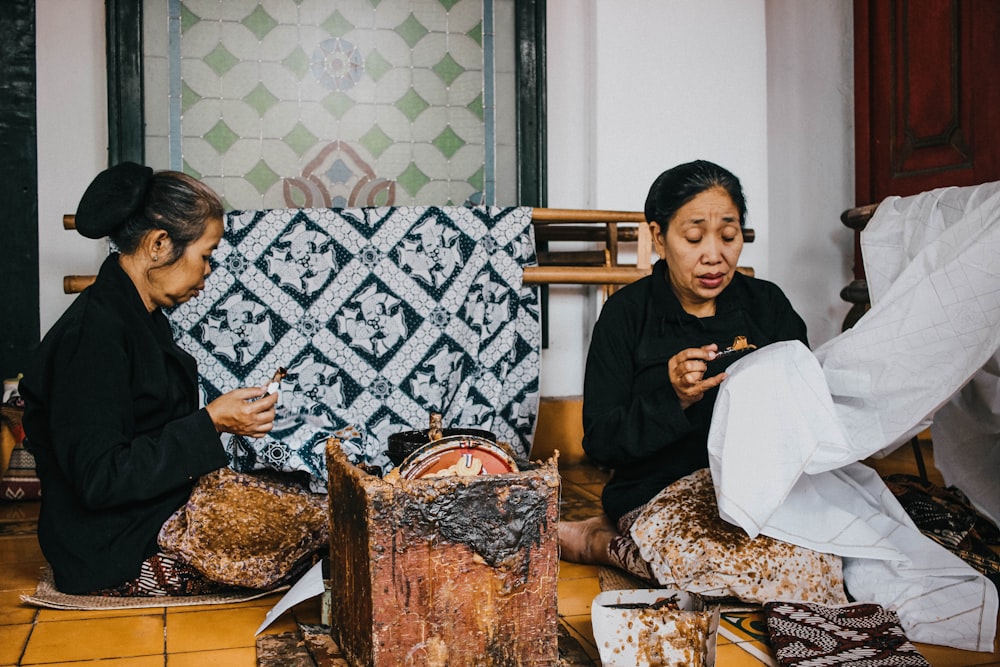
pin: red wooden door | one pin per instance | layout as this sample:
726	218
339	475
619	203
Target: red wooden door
926	100
927	95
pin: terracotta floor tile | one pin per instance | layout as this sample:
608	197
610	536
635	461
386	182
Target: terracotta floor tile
742	626
287	622
20	548
569	570
583	474
230	657
47	615
581	628
223	635
12	641
67	641
219	629
267	602
591	490
941	656
12	611
746	654
309	612
21	575
576	595
138	661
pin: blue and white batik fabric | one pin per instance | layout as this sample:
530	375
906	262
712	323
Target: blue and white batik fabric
381	316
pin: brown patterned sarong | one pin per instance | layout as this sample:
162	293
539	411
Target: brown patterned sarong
251	531
625	553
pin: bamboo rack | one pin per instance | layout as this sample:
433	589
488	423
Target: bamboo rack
600	266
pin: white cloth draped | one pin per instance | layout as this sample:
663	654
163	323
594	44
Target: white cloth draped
791	426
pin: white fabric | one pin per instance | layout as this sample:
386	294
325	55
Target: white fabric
966	434
957	232
943	246
933	268
790	426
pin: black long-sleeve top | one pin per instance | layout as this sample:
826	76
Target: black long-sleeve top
112	418
632	417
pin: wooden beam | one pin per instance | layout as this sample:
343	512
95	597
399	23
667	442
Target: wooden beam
583	275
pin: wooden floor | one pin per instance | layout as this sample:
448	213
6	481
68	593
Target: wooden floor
223	636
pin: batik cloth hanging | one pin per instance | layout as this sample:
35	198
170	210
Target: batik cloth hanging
380	316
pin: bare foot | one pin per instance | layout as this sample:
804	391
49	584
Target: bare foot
587	541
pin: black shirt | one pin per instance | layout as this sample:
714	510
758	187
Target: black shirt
633	422
112	418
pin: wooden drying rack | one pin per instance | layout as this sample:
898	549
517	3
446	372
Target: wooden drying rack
608	231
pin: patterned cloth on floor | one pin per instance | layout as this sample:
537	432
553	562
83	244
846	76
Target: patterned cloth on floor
947	517
19	480
381	316
804	634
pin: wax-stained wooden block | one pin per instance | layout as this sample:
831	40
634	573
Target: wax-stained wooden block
446	571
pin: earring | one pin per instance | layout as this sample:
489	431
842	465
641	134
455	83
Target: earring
156	258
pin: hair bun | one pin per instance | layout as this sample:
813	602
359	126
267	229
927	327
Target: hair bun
111	198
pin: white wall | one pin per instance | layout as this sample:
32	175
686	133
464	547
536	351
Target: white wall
72	139
635	87
763	87
571	63
810	74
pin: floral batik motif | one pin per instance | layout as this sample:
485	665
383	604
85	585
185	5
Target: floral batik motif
380	316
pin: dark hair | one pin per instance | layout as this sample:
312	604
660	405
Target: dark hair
127	201
679	185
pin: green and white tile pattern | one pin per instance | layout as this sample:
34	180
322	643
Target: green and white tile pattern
287	103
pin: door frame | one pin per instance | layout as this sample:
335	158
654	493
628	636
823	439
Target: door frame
19	291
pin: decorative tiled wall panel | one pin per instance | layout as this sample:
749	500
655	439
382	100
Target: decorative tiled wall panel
316	103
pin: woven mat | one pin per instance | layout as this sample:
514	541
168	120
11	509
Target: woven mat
46	595
613	579
312	646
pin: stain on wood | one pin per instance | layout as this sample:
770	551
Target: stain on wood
445	570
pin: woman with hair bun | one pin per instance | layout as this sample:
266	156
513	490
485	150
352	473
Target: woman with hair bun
660	349
112	405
